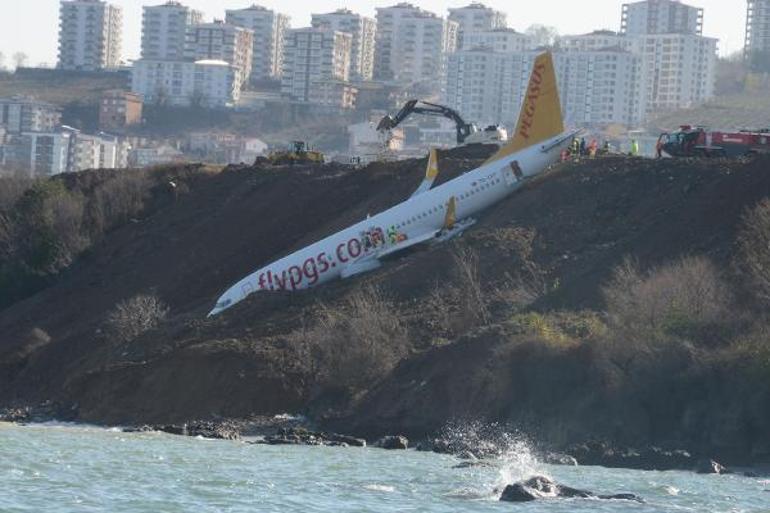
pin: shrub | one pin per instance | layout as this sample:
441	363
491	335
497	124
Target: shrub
116	200
473	298
135	316
678	299
356	345
754	249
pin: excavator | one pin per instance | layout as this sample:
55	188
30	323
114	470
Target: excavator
467	133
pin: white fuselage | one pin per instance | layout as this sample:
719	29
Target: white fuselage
326	259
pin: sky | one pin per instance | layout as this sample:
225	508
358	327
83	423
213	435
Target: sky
31	26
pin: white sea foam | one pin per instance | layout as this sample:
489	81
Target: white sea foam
380	488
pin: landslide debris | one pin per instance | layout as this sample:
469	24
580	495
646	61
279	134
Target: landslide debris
537	350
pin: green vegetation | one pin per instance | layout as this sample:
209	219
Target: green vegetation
46	224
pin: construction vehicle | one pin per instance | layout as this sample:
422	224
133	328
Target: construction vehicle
467	133
696	141
299	152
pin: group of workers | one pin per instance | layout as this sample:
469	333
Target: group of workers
578	148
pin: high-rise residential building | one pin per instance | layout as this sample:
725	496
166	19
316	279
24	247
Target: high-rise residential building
661	17
90	33
316	67
39	153
211	83
165	29
362	30
679	70
600	87
412	45
219	41
596	87
19	114
499	40
476	17
269	28
758	32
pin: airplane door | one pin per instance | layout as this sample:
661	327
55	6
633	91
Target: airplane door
512	174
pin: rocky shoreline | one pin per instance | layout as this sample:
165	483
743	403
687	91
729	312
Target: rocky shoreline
296	430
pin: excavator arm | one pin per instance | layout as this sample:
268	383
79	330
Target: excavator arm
427	109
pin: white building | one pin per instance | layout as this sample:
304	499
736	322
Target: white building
19	114
64	150
221	41
476	17
600	87
596	87
209	83
40	153
499	40
269	28
316	67
661	17
154	156
412	45
165	29
90	34
679	70
363	31
758	28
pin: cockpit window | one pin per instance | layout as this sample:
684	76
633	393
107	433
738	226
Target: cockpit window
225	303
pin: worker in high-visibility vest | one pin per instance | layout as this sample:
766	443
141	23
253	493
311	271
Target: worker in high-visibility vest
634	147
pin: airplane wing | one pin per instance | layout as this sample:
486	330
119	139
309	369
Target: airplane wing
372	261
431	172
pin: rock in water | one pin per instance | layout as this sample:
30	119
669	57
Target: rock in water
392	442
540	487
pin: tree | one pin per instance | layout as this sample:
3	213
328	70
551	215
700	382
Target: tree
20	59
543	35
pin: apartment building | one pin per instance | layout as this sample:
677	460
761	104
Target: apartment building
316	67
269	28
476	17
39	153
220	41
679	70
758	32
412	45
210	83
600	87
119	109
661	17
362	30
499	40
598	40
165	30
19	114
90	33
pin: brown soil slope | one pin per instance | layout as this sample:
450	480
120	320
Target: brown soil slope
574	224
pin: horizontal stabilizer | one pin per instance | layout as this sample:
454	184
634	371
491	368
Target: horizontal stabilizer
431	172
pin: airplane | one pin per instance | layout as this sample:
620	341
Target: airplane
430	214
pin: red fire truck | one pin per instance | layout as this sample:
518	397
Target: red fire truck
692	141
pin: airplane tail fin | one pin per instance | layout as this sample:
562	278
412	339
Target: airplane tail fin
540	118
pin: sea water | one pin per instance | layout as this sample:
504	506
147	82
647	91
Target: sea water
83	469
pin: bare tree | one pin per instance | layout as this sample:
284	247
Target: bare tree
543	35
20	59
134	316
754	244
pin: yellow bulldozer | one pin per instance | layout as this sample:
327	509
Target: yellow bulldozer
298	152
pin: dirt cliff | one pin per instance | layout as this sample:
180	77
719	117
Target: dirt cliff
561	235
